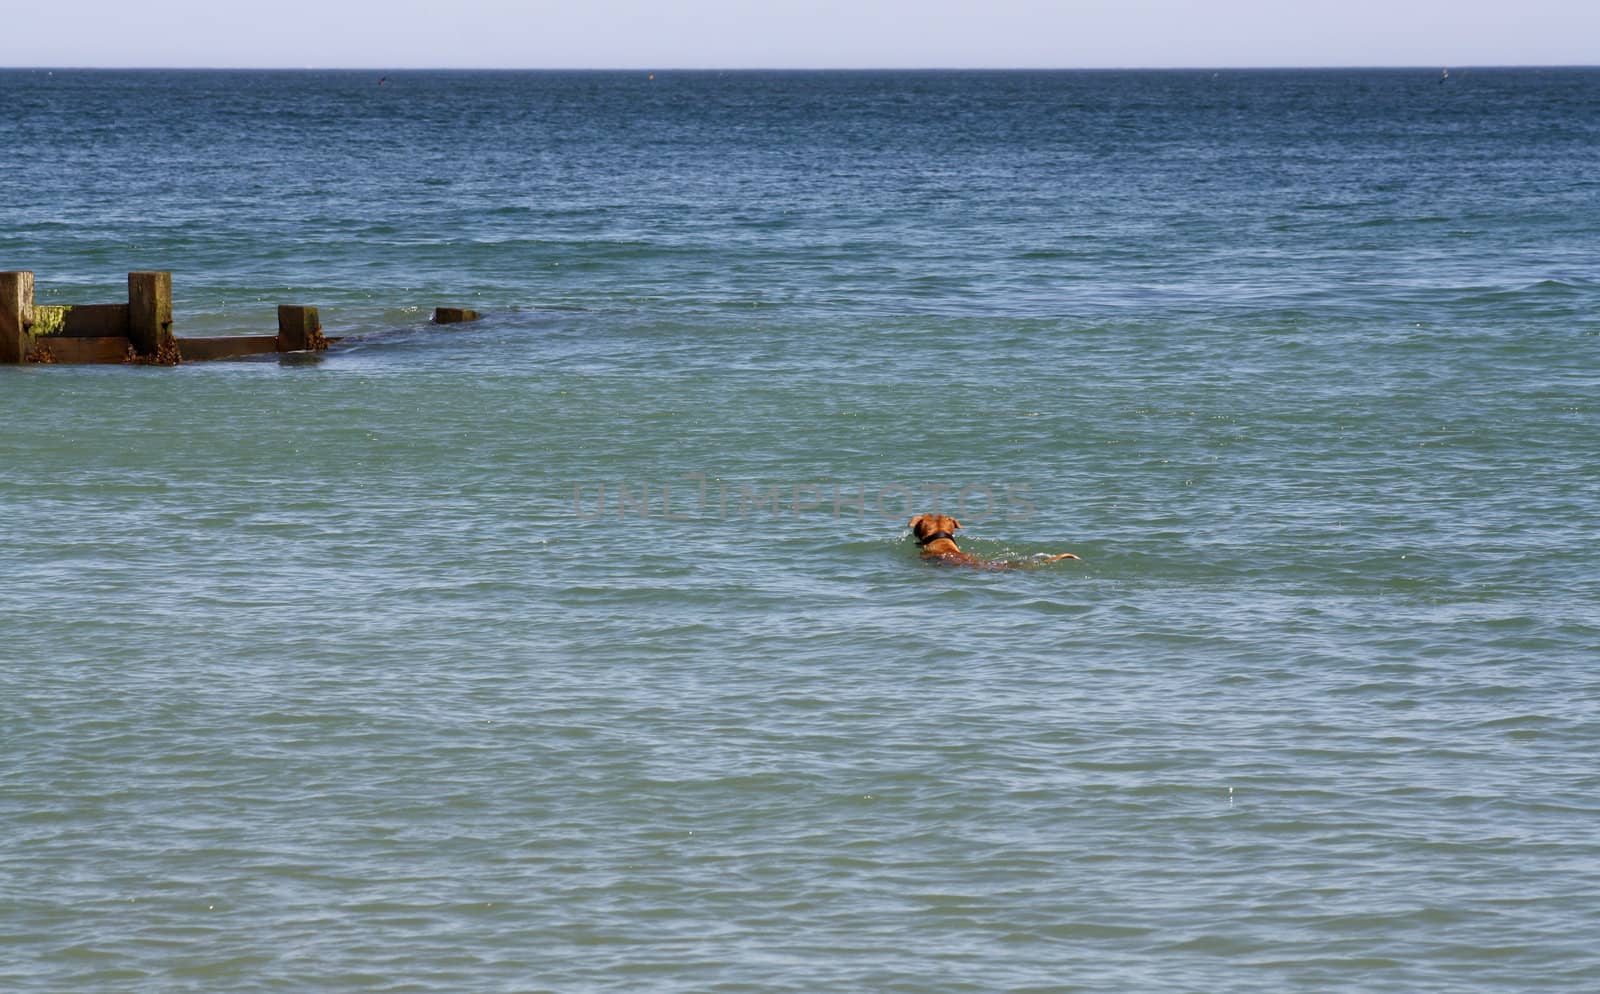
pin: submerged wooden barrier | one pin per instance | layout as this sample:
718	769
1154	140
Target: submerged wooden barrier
140	331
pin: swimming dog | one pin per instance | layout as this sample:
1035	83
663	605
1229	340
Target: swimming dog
936	534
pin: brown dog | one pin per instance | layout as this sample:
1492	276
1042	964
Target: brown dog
936	534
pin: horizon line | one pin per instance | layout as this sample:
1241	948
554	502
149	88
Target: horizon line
1197	67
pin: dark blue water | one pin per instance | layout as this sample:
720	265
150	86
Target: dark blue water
584	648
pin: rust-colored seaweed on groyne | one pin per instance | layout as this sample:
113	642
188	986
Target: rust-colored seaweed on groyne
140	331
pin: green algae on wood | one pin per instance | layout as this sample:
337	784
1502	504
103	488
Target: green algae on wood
49	319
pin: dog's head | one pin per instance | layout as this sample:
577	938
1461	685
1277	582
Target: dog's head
929	527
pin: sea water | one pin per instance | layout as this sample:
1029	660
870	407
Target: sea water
584	648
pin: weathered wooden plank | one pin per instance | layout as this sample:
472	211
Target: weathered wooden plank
95	321
226	347
59	348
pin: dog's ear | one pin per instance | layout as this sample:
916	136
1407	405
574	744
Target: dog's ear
955	525
912	524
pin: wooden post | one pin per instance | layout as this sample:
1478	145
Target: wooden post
16	315
150	315
453	315
299	329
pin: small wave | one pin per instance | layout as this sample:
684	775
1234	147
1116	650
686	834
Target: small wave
1540	291
1055	608
1398	222
1560	286
1080	930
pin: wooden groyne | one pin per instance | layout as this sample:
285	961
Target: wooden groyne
140	331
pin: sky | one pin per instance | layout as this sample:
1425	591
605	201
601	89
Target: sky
730	34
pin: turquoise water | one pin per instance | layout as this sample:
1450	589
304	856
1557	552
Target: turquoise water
584	648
